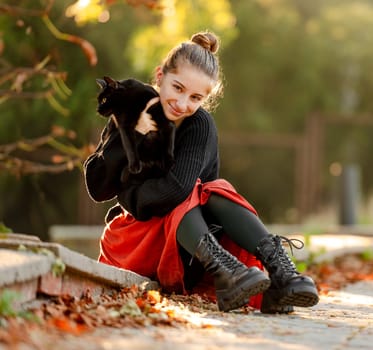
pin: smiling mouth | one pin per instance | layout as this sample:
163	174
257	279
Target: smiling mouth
176	112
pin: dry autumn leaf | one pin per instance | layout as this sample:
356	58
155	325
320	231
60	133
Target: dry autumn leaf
134	308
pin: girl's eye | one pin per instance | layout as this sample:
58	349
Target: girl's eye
177	87
196	98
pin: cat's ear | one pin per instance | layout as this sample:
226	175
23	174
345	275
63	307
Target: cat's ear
111	82
101	83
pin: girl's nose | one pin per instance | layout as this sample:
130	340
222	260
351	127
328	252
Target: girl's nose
181	104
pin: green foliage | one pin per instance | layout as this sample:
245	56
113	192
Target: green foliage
41	200
8	299
367	255
176	23
4	229
58	266
282	60
301	266
292	59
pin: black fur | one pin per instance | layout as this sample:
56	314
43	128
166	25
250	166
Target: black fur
147	155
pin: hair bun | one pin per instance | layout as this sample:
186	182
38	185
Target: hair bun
207	40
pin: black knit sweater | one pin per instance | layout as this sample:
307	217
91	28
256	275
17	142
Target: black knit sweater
196	156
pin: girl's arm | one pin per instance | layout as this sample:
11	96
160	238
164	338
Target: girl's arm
194	152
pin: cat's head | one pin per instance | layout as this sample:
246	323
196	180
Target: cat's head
128	96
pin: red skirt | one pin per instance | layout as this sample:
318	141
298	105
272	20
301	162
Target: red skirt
150	249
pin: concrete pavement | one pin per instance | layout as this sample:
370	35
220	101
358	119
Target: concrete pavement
52	269
343	320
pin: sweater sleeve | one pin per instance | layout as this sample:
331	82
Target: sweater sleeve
158	196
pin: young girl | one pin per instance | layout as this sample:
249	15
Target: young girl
188	224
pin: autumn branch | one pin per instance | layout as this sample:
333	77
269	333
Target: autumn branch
19	167
16	11
64	157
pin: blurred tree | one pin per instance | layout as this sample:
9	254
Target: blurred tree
282	60
179	20
292	58
62	49
47	102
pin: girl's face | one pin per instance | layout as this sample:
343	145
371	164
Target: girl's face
182	92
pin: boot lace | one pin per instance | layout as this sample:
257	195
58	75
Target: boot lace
218	252
282	255
290	242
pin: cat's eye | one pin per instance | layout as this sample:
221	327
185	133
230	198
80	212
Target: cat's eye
103	100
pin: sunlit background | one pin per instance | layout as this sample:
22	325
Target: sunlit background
295	122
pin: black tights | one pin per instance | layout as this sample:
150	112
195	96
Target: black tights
241	225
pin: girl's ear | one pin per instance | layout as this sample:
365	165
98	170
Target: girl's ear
158	75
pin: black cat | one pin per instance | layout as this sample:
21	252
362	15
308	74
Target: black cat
147	155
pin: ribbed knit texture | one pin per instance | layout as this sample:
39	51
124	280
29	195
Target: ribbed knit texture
196	156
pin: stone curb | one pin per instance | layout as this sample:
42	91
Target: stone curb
30	270
17	266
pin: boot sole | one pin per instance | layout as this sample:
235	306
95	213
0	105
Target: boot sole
302	299
271	306
303	296
277	309
250	284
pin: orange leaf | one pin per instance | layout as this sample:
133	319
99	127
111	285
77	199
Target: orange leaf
153	297
66	325
140	303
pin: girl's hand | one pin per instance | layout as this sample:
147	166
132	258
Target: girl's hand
145	122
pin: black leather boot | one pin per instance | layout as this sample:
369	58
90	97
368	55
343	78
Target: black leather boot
270	304
288	287
234	281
